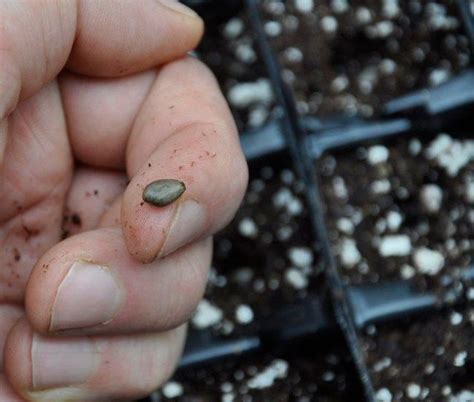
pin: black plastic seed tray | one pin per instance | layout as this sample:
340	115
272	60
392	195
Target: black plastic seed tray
343	305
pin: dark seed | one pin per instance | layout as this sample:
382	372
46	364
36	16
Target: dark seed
163	192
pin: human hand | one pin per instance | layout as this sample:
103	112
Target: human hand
84	108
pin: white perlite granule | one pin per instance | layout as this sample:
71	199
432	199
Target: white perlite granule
382	186
363	15
395	246
377	154
244	314
455	318
451	155
301	256
293	54
230	397
391	8
431	197
413	390
272	28
349	253
295	278
276	370
248	228
428	261
407	271
394	220
245	53
438	76
382	364
463	396
172	389
383	395
414	146
206	315
233	28
339	6
244	94
345	225
304	6
460	359
340	83
329	24
339	187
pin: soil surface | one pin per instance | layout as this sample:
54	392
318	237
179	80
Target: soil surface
229	49
319	371
430	359
352	56
403	209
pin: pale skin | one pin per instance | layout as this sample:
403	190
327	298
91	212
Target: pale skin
98	99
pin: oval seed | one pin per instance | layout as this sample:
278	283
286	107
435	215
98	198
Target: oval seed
163	192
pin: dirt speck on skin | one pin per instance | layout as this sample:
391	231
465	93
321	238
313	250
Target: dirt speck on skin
76	220
29	232
18	206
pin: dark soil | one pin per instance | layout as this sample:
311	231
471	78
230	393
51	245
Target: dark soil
352	56
319	371
229	49
373	193
430	359
403	217
268	244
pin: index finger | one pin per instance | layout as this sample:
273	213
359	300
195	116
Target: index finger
185	132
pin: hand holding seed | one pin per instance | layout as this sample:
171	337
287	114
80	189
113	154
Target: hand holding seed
119	160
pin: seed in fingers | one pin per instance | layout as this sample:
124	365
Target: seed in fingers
163	192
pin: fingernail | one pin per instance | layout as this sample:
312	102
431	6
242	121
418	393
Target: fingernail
188	222
180	8
89	295
60	362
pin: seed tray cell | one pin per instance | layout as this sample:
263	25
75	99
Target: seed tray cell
400	209
267	316
428	359
229	49
353	57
